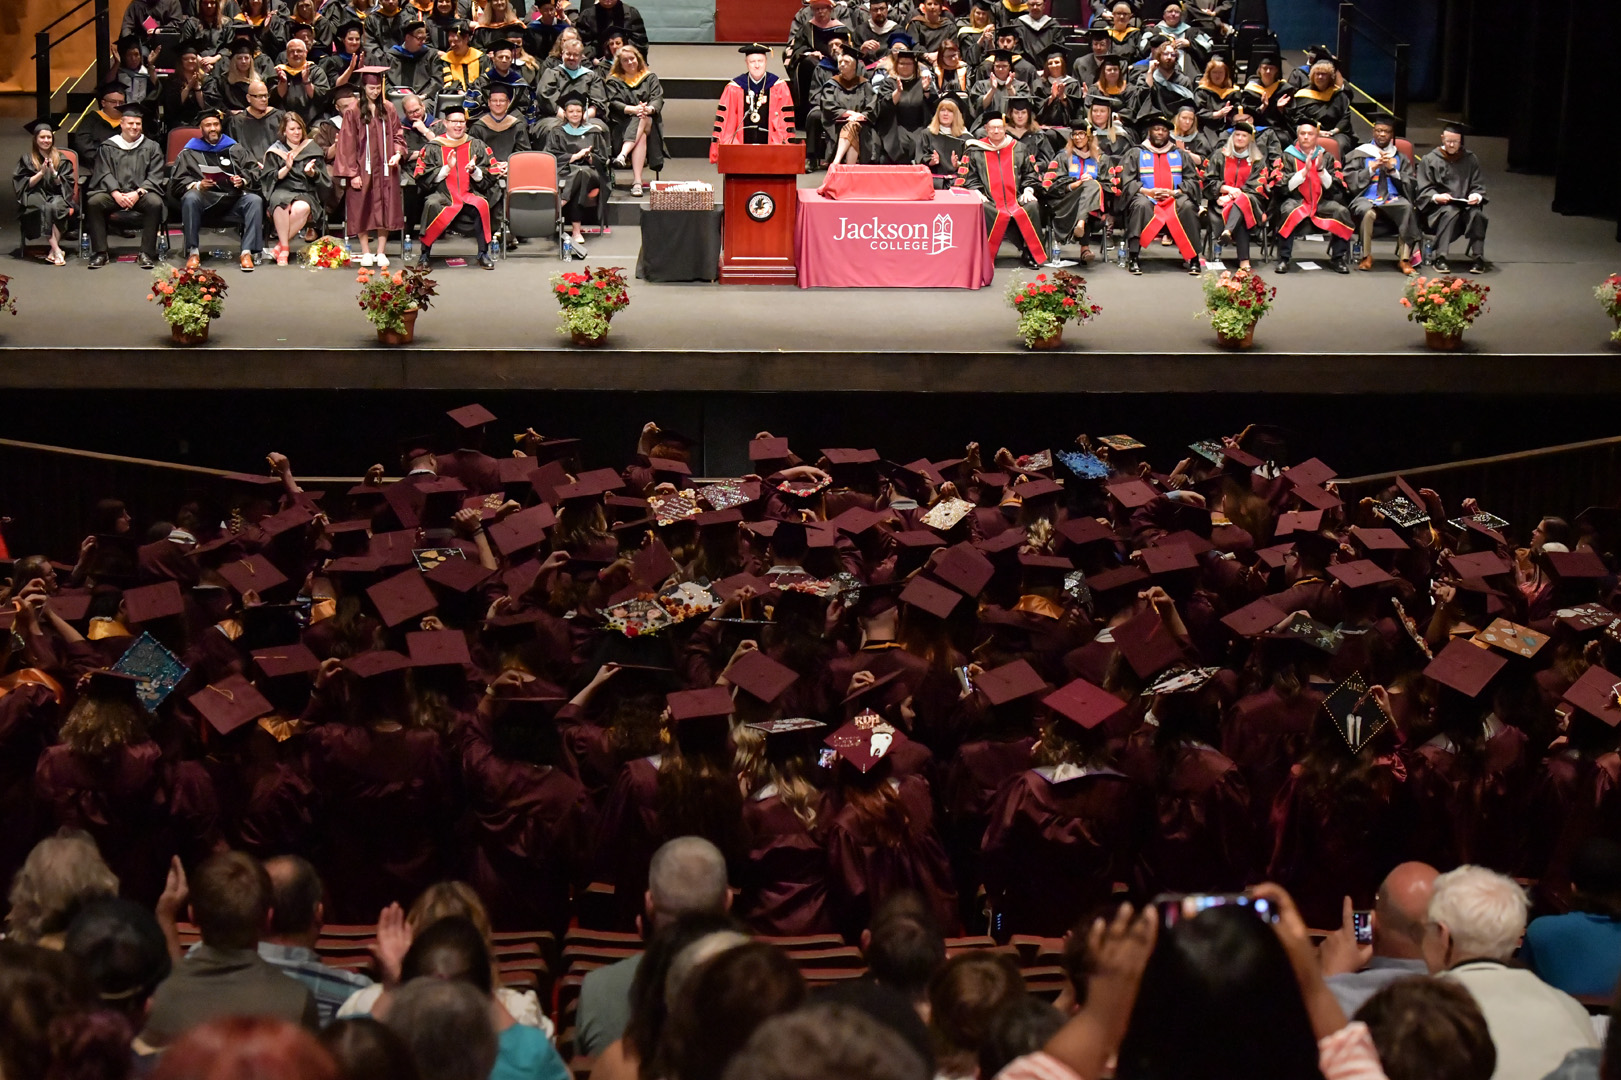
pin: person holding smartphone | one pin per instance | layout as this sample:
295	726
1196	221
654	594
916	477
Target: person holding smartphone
1356	969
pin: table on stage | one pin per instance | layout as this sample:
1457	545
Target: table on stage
879	244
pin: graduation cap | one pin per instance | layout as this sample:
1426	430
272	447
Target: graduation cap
1146	643
760	676
1254	618
251	572
112	685
965	569
1169	559
929	596
1308	631
230	703
1317	497
282	661
1016	101
1298	521
1378	539
434	648
1180	680
1512	638
877	683
1119	578
1311	471
1154	120
1583	563
1478	564
786	726
1359	574
1055	49
1356	715
1083	704
519	531
456	105
243	44
1595	693
864	741
469	417
1002	54
1465	667
1133	493
149	603
755	49
901	38
129	41
1082	531
710	702
1010	682
459	575
157	671
401	597
397	548
375	662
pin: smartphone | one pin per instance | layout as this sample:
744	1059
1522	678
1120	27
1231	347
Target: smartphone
1362	924
963	680
1175	907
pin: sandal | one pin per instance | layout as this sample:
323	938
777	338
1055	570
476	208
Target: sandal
56	258
636	191
1086	255
281	256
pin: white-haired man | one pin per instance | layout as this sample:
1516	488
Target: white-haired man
1476	919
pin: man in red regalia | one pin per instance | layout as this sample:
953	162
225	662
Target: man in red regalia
755	108
1161	188
1309	183
459	174
1004	174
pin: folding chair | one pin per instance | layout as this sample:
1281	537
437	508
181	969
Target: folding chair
75	222
531	196
178	138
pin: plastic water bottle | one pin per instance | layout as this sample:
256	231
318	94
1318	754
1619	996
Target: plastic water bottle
405	243
1120	252
84	244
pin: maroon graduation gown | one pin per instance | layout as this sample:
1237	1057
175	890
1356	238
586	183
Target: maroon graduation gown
121	800
1054	851
628	833
1571	797
1471	807
1204	840
1264	734
785	877
28	721
863	870
386	810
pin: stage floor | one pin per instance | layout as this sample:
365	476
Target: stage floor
296	328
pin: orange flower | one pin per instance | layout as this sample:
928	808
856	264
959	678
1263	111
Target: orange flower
399	279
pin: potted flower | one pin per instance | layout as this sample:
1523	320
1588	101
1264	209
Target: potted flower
391	300
7	301
1046	304
1609	294
589	301
1234	301
191	300
325	254
1445	307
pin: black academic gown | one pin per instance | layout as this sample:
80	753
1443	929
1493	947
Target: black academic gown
188	169
1460	179
255	134
1065	111
647	91
946	156
835	102
1386	195
504	137
47	203
417	73
95	129
576	179
901	123
307	95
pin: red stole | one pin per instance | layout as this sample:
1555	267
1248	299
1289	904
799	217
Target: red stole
1311	194
1235	172
1003	182
459	186
1165	216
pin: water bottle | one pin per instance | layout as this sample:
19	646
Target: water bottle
405	243
1120	252
84	244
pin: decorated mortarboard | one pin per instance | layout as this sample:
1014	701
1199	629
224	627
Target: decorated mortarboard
157	671
401	597
1402	512
470	416
1076	587
1465	666
230	703
430	558
929	596
285	660
434	648
1254	618
787	725
1410	625
1296	521
712	702
1584	618
803	489
1478	564
1010	682
1378	539
375	662
459	575
1597	693
1316	497
1583	563
251	573
1359	574
1209	449
109	684
1181	680
522	530
667	509
1512	638
945	514
1146	643
687	600
1490	524
864	741
772	448
725	494
1355	713
149	603
635	616
965	569
1084	704
1121	442
1309	631
1169	559
1133	493
1119	578
1083	465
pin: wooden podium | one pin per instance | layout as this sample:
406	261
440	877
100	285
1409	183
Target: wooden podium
761	202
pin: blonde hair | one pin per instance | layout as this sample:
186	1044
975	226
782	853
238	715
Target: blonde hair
446	899
617	72
1253	153
1328	66
59	877
96	725
958	128
797	793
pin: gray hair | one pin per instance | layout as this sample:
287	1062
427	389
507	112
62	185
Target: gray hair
61	875
687	877
1482	910
690	958
447	1027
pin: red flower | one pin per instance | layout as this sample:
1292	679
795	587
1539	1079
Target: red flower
1049	288
1068	302
573	291
1041	277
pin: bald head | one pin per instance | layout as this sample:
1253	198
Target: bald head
1400	911
687	877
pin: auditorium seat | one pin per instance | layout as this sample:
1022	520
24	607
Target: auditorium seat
955	945
812	959
807	941
579	935
827	976
595	906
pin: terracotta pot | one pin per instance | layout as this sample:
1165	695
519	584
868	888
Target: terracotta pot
1244	342
1443	342
585	341
1054	342
402	337
183	338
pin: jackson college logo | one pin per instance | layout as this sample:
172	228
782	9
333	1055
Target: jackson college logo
930	237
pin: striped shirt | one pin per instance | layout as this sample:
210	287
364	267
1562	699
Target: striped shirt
330	986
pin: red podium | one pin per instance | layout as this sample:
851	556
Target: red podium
761	200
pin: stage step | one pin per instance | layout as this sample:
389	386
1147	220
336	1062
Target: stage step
693	76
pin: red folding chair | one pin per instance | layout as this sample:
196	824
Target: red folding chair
531	196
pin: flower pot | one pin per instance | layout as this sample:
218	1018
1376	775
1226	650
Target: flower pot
1054	342
400	337
1228	342
1444	342
183	338
585	341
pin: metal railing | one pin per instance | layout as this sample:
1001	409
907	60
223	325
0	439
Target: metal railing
1354	24
101	19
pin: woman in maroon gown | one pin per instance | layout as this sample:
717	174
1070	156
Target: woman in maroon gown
1205	838
370	144
1064	833
386	788
880	835
784	885
1572	796
530	821
1265	732
106	777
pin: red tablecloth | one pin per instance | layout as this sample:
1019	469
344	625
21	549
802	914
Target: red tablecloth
852	243
891	183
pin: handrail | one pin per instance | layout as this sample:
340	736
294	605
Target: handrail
1350	25
1364	17
64	15
49	44
1475	463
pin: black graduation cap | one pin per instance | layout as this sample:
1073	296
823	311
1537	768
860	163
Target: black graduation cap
129	41
33	126
412	26
1001	54
573	97
1055	49
1017	101
1456	126
1102	99
1356	715
1153	120
754	48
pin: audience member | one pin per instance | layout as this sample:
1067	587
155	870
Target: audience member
1400	911
964	996
1429	1029
297	912
51	1026
62	874
1579	952
721	1004
367	1049
447	1027
262	1047
1023	1025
